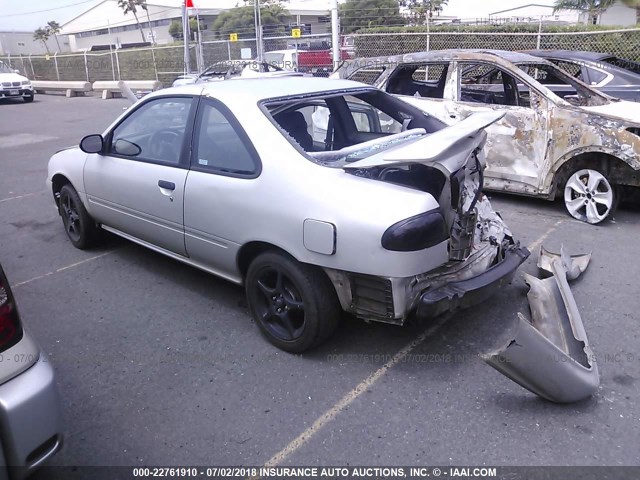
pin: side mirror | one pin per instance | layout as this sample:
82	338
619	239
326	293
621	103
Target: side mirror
92	143
16	71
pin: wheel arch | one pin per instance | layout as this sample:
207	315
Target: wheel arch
617	171
58	181
250	250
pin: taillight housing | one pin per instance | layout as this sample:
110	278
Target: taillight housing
416	233
10	327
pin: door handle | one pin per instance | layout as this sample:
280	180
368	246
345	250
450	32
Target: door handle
166	185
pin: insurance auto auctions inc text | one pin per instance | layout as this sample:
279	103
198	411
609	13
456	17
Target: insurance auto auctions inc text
375	472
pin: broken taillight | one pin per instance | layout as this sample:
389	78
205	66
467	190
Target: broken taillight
10	327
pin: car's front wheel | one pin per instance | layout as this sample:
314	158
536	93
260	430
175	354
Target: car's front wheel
80	228
28	99
294	304
589	196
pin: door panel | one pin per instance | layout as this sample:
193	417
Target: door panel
516	147
125	195
137	184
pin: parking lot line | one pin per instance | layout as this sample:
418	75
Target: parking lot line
362	387
18	197
62	269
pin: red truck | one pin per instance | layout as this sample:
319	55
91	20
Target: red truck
318	62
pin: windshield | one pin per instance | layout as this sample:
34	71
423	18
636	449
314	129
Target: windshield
564	85
5	68
337	128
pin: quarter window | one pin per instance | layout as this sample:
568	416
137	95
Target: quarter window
220	147
154	132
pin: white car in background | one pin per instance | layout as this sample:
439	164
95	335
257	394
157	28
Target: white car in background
284	59
14	85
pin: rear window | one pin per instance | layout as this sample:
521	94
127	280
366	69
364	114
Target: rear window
623	63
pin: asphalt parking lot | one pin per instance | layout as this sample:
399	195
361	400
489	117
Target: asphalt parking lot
160	364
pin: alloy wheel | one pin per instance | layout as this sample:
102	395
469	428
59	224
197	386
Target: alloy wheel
279	307
70	217
588	196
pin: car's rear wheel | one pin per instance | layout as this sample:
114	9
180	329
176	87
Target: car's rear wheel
80	228
589	196
295	305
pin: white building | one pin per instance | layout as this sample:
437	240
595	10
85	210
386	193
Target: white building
618	14
22	43
105	23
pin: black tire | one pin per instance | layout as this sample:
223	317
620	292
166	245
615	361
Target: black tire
80	228
28	99
294	304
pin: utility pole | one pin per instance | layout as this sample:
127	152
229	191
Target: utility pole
258	24
335	34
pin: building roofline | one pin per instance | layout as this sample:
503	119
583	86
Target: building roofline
522	6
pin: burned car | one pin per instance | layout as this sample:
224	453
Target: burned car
584	147
232	69
382	218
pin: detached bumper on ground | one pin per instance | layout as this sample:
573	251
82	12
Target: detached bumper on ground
472	291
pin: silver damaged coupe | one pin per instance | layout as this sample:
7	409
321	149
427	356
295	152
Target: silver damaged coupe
318	195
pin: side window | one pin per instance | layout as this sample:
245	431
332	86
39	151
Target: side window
367	75
219	146
153	132
595	76
484	83
571	68
422	80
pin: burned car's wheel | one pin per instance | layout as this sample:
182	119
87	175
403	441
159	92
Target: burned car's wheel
294	304
589	196
79	226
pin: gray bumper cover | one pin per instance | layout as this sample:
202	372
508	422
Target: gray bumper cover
551	356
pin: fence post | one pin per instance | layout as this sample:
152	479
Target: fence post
9	60
113	68
24	69
55	61
539	34
86	67
33	72
117	62
229	48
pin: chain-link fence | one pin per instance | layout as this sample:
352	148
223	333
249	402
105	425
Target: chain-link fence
166	63
621	43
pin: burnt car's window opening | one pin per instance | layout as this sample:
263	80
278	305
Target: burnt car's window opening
484	83
367	75
219	147
573	69
422	80
329	123
573	90
154	132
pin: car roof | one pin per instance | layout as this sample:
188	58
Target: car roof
254	90
570	54
457	54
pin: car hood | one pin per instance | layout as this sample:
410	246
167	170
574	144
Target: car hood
12	77
447	147
622	110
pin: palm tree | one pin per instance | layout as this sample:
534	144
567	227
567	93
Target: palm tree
421	10
54	29
634	4
131	6
593	8
42	34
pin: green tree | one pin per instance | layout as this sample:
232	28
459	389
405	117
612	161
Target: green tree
241	20
132	6
593	8
175	28
357	14
54	29
42	35
634	4
421	10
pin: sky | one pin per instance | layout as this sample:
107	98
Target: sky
31	14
